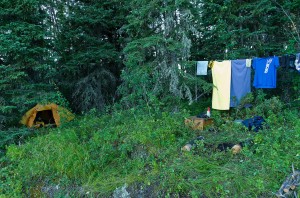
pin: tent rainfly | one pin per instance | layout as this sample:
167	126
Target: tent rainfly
42	115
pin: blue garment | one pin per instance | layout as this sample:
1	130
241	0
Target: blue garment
265	72
240	81
257	122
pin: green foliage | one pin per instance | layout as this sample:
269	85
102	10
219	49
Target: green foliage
244	29
25	70
78	48
87	52
116	147
141	148
51	51
15	135
156	58
288	87
9	185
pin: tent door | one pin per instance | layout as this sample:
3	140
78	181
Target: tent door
45	117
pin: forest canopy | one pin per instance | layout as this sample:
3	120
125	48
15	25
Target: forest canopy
91	54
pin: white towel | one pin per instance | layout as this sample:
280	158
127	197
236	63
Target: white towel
202	67
248	62
297	62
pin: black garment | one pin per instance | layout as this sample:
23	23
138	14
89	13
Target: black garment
291	61
225	146
281	61
287	61
221	146
256	121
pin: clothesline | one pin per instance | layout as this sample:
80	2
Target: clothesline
287	60
231	78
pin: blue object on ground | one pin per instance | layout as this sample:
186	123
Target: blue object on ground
256	122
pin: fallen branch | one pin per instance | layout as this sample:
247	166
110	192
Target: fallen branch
288	188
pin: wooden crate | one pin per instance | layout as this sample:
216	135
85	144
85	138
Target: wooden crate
198	123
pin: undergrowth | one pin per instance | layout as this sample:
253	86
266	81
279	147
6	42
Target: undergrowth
94	155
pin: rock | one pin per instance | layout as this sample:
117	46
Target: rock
121	192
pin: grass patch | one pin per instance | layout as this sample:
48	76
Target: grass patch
97	154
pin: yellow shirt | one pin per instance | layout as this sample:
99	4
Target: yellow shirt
221	74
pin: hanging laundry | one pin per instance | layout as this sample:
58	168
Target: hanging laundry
221	74
297	62
265	72
287	61
248	62
240	81
202	67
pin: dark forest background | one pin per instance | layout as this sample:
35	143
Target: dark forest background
89	54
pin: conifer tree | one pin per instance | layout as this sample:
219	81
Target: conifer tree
158	50
240	29
25	69
87	47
